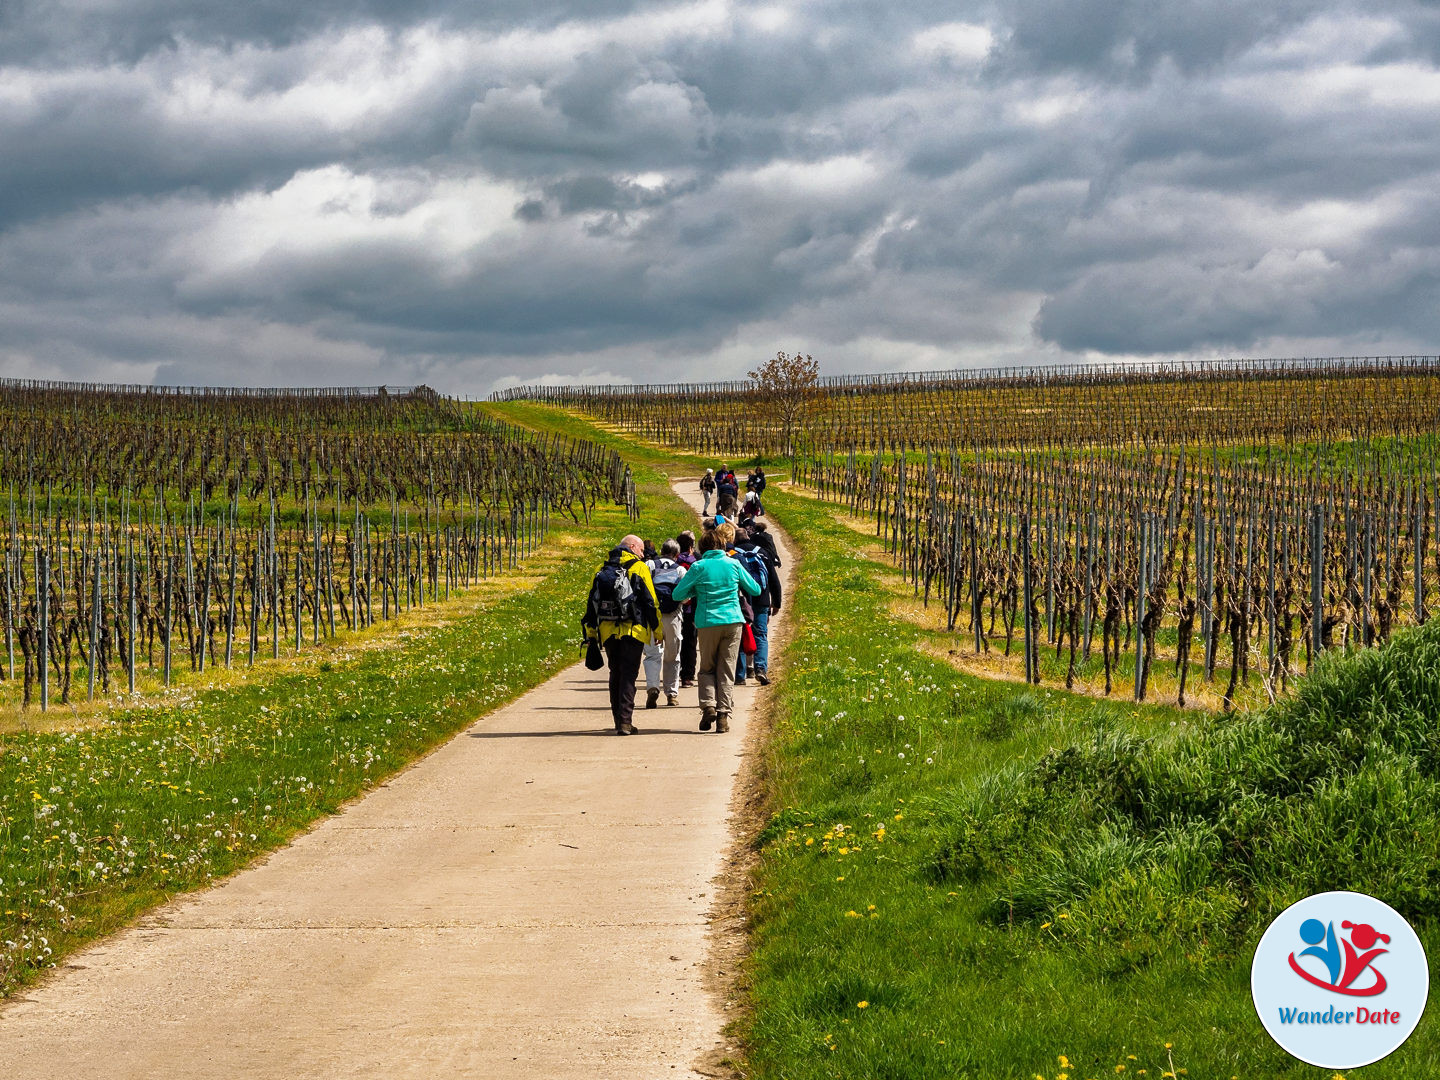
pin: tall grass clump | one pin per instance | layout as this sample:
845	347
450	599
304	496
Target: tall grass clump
1131	845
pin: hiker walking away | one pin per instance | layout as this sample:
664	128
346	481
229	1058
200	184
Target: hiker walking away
756	481
726	485
662	659
686	558
751	509
757	563
713	581
761	535
707	488
622	614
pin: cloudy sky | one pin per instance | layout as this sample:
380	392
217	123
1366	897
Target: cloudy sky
473	195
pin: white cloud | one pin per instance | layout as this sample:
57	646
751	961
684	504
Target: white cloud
967	43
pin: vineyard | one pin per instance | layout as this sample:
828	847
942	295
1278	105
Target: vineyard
1217	522
150	529
1058	407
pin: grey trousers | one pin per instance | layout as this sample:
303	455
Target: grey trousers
662	661
718	648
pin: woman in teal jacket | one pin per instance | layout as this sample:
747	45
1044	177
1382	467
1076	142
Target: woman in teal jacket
712	581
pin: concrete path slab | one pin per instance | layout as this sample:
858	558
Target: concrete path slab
529	900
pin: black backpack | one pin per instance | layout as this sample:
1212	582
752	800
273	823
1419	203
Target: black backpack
665	586
612	597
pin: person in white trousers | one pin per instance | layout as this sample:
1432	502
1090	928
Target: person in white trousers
662	661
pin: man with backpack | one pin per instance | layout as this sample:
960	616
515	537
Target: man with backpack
726	486
757	562
622	614
662	662
707	489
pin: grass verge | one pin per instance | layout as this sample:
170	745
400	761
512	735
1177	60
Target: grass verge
966	878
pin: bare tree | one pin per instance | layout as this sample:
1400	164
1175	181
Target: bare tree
788	388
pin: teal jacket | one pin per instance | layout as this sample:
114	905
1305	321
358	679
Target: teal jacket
712	581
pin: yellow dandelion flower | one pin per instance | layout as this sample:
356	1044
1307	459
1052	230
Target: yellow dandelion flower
1064	1061
862	1004
1062	915
852	914
1045	925
870	907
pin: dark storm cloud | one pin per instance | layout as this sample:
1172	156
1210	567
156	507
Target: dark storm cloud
474	194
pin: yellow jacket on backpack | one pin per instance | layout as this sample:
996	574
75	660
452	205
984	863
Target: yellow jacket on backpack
645	598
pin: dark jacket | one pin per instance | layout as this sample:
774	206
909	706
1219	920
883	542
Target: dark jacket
766	541
771	596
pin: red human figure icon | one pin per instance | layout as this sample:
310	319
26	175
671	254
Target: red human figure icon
1364	936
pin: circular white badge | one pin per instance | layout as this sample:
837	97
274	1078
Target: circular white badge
1339	980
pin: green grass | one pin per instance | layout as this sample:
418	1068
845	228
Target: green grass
101	823
1005	875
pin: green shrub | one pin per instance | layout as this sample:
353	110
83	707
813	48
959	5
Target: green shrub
1143	842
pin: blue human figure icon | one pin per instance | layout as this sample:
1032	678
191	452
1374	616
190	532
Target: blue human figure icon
1312	932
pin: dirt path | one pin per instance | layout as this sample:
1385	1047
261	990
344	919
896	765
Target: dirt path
528	901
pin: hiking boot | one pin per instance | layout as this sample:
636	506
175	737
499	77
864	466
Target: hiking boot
722	723
762	677
652	698
625	729
740	681
707	719
687	682
672	699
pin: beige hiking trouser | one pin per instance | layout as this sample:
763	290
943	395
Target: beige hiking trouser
718	648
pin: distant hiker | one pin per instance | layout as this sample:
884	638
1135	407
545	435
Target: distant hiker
726	484
729	507
756	561
713	581
707	488
649	555
662	661
622	614
756	481
751	508
686	558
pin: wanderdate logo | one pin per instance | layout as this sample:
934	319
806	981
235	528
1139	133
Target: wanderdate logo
1322	954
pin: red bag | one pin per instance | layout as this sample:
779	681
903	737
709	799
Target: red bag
748	644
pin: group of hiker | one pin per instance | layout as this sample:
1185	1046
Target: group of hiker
723	487
692	613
